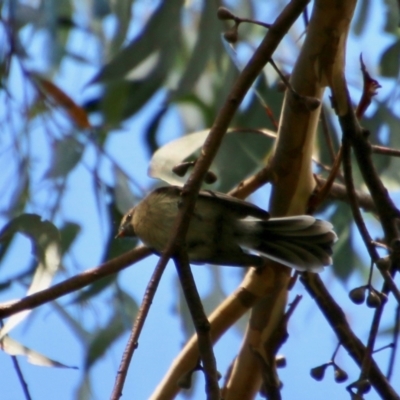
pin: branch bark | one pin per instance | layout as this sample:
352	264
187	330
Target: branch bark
75	283
261	56
320	62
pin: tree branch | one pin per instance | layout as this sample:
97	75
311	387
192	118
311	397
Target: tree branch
339	192
201	324
140	319
246	78
76	282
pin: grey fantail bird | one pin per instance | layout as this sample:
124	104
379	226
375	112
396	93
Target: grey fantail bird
226	231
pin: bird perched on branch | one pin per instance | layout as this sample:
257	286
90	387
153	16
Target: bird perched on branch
224	230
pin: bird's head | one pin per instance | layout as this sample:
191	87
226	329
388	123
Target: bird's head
126	227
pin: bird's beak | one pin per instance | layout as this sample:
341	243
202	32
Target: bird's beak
120	234
125	230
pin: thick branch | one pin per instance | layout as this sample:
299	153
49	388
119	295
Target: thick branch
261	56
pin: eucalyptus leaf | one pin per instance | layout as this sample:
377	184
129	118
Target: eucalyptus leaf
390	60
121	99
14	348
124	198
69	233
361	17
112	330
345	258
208	29
240	147
157	34
65	156
89	292
45	239
392	16
122	10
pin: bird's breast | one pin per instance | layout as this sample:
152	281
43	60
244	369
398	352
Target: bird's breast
154	222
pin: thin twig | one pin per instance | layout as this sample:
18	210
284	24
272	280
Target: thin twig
354	136
133	340
201	324
370	88
386	151
337	319
320	194
21	378
348	177
358	138
327	135
396	332
339	192
250	185
388	213
255	22
292	306
388	280
311	103
271	383
335	352
365	367
76	282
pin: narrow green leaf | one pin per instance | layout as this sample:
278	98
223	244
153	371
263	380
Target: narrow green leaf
390	60
208	31
115	327
249	149
157	34
45	239
65	156
14	348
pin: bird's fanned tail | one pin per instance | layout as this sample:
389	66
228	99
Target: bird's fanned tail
302	242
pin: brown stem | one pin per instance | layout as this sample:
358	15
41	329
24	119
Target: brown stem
367	360
76	282
246	78
386	151
327	135
396	332
339	192
385	207
21	378
348	176
354	136
133	340
201	325
260	57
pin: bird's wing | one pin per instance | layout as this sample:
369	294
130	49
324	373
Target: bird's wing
240	208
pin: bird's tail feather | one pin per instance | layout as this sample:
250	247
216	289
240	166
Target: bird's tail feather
301	242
